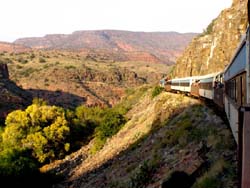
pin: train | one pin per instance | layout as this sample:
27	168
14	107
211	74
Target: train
229	89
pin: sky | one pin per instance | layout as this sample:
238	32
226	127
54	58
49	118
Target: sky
36	18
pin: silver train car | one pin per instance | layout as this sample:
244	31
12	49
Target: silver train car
199	86
237	104
207	84
182	84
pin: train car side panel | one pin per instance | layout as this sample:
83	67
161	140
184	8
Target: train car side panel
206	93
245	150
232	115
181	84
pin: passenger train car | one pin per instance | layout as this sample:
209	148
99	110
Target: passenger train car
237	104
198	86
182	84
206	86
230	90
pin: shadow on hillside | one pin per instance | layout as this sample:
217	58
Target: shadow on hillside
58	98
126	158
145	155
12	98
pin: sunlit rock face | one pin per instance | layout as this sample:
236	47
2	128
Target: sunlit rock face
213	49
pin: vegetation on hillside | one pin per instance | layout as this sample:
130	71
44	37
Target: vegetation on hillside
69	79
209	29
42	133
164	134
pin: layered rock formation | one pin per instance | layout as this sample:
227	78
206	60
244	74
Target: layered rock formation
213	50
153	46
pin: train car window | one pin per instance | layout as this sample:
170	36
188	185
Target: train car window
168	83
185	84
207	86
236	89
175	83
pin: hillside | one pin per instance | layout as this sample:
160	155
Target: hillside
161	47
213	50
165	134
70	79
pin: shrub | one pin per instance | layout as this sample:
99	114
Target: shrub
32	56
22	60
209	28
70	67
42	60
19	67
156	91
27	72
111	122
110	125
211	179
143	174
83	122
17	163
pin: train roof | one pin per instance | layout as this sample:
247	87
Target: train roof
209	75
199	77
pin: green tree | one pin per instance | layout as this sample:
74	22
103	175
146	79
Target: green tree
40	128
17	163
83	122
111	123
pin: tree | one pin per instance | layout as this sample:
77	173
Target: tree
40	128
111	123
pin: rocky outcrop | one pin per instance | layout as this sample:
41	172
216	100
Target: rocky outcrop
213	50
12	97
4	73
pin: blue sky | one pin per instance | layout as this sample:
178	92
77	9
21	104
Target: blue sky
29	18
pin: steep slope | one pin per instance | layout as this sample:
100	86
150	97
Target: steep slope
164	46
213	50
165	134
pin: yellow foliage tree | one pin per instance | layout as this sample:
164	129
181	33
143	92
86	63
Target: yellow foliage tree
41	128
